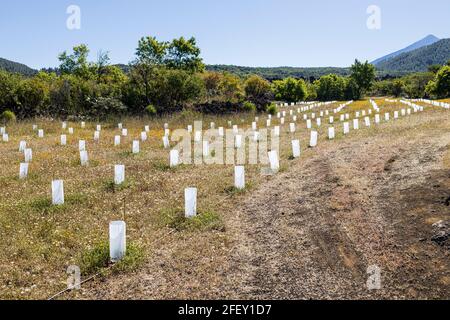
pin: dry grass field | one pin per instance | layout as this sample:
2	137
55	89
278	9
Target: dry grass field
371	197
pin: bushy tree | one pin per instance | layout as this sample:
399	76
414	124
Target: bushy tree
330	87
290	90
179	89
153	60
103	107
312	91
352	90
180	54
166	89
397	88
32	97
24	96
440	86
258	91
102	65
9	84
151	52
212	82
184	55
381	88
231	88
416	83
77	63
363	76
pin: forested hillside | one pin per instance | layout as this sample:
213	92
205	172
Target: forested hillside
419	59
280	72
427	41
15	67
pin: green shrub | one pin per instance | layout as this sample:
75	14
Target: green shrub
258	91
272	109
44	204
232	191
94	259
106	106
249	106
97	259
132	260
290	89
8	116
151	110
161	166
204	221
111	186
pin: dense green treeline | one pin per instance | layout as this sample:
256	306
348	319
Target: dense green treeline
166	77
279	73
433	84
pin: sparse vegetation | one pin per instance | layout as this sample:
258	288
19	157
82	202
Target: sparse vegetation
272	109
44	204
151	110
7	116
111	186
249	106
232	191
96	259
43	239
204	221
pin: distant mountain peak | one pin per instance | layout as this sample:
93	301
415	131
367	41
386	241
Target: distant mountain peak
428	40
431	37
419	59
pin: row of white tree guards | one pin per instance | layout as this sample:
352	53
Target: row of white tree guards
174	155
117	229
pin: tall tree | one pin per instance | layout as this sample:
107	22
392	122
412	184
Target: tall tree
398	87
363	75
76	63
151	51
102	62
258	91
185	55
150	54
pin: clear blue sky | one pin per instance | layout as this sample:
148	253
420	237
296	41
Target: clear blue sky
241	32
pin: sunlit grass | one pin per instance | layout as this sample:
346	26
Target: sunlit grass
38	240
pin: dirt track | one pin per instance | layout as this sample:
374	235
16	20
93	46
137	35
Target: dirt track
312	231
